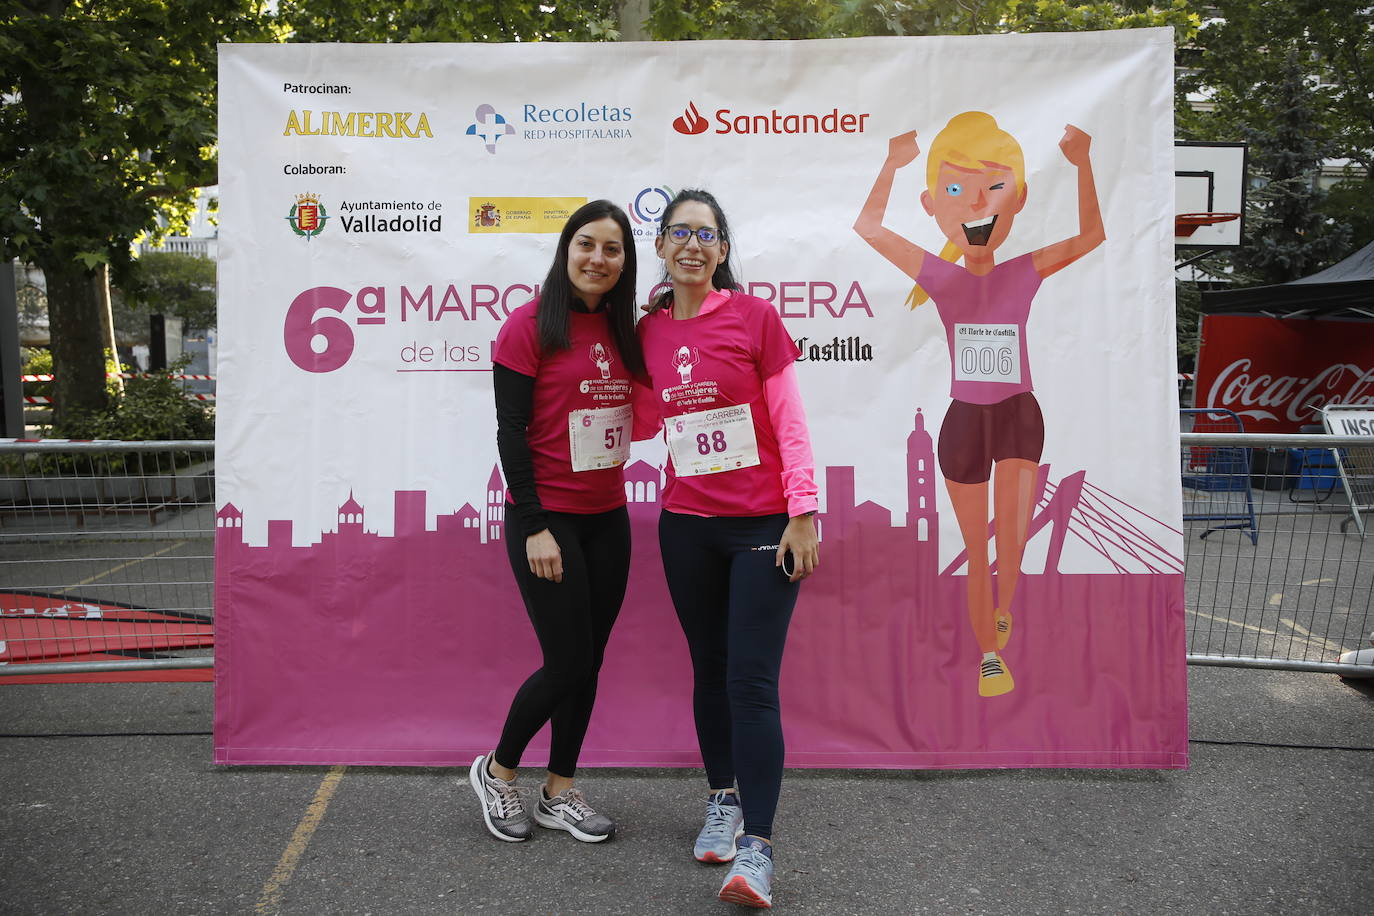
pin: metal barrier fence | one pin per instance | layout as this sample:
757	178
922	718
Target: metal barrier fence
106	556
1275	575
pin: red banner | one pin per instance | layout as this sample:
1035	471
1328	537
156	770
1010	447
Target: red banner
1276	373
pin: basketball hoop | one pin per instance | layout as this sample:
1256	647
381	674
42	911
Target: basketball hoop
1185	224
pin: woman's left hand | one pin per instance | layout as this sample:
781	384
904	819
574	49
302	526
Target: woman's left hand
800	540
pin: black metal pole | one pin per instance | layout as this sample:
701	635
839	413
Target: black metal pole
11	388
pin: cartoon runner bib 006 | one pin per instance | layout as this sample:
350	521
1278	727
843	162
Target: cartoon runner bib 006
599	438
712	441
987	353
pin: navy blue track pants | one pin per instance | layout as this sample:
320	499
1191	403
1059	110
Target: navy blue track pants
734	606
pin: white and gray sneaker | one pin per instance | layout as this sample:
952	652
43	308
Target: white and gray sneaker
503	809
568	810
724	825
750	882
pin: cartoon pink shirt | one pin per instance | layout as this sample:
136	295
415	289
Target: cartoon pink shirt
588	376
720	359
985	325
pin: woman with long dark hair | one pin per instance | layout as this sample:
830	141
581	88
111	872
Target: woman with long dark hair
562	370
737	531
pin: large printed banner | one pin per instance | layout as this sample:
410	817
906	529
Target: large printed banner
1277	373
384	208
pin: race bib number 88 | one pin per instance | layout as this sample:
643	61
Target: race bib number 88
712	441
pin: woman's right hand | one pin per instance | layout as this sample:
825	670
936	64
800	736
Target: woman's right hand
546	560
902	149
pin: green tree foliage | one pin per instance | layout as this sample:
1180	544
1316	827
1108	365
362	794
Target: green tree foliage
36	361
1288	236
678	20
977	17
446	20
682	19
107	126
152	407
180	285
1241	64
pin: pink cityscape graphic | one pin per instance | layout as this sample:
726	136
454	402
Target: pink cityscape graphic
405	649
1126	537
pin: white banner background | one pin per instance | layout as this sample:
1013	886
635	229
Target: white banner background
293	444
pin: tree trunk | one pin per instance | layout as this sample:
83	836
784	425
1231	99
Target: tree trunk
633	14
77	331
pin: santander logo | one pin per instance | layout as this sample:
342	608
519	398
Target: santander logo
691	121
1271	397
771	121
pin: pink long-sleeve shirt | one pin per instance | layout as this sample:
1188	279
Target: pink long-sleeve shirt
782	400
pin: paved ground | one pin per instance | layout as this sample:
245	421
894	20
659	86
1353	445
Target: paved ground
131	817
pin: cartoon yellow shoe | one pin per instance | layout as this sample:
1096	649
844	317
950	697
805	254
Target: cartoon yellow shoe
1003	629
994	677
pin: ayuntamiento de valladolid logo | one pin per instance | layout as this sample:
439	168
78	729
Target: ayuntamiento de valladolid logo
307	217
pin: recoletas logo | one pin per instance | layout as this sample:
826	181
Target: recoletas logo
489	126
772	121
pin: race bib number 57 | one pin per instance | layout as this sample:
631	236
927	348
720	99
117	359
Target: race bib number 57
712	441
599	438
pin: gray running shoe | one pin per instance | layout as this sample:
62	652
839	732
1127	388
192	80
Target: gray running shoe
724	825
568	810
503	809
750	882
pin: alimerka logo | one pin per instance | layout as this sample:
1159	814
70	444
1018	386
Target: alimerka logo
307	217
772	121
397	124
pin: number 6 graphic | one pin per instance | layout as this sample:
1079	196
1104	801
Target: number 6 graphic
302	326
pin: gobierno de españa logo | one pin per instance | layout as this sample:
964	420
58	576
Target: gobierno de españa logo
307	217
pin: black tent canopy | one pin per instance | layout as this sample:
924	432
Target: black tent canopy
1343	290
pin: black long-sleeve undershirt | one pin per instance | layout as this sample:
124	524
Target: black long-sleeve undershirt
514	410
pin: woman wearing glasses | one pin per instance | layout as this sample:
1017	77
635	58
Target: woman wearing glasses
737	531
561	370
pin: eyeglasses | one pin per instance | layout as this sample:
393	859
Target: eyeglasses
679	233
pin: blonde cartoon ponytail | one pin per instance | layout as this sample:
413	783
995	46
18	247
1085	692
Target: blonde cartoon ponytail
918	296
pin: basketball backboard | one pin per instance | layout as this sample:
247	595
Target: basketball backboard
1209	194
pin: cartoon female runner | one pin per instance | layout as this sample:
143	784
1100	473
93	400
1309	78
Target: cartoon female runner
975	186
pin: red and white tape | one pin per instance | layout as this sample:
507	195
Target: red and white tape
37	399
49	378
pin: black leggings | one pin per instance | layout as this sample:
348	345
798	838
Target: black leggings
734	606
573	620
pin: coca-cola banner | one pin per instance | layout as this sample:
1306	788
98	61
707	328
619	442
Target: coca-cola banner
997	446
1277	373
